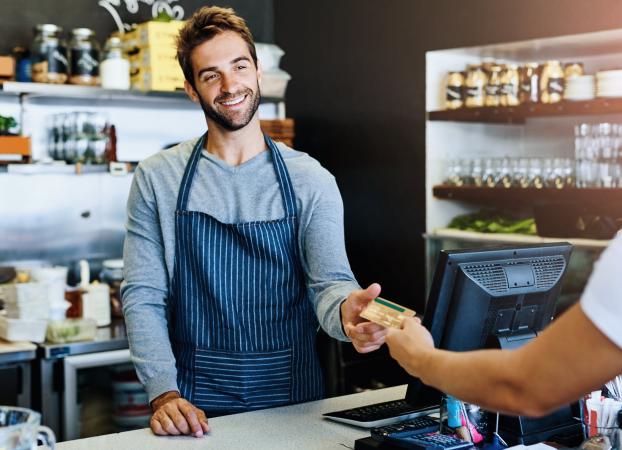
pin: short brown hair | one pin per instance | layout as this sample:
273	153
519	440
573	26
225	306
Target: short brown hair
204	24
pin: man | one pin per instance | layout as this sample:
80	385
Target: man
234	250
577	353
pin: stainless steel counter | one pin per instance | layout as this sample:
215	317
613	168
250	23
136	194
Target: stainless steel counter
299	427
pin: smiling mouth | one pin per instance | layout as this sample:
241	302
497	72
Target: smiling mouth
234	101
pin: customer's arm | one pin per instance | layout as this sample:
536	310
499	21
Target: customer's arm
571	357
144	295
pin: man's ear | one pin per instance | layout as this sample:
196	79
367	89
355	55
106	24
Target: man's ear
191	92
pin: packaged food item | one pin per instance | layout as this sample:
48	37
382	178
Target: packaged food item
552	82
84	57
476	81
112	274
493	87
49	55
509	86
529	76
115	68
454	90
71	330
573	69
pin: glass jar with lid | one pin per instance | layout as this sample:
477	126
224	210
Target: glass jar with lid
84	57
476	81
49	55
112	274
115	69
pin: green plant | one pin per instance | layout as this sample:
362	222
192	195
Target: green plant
6	123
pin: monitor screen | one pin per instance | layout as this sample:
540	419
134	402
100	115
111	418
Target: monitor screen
491	298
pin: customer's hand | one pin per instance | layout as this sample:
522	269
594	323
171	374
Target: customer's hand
174	415
366	336
410	344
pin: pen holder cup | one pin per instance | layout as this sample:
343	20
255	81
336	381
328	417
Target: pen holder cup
465	420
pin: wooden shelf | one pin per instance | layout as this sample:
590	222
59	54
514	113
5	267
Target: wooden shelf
96	93
473	236
528	196
518	114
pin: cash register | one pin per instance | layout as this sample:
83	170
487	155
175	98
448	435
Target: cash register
499	297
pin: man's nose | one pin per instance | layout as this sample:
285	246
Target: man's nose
228	84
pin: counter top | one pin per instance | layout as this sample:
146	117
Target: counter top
112	337
297	427
16	351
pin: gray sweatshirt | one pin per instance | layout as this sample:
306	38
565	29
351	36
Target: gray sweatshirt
230	194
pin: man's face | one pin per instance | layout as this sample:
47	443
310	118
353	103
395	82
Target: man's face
226	81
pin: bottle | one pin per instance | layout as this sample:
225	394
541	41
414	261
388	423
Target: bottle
493	88
475	84
49	55
509	86
529	91
454	91
552	82
95	298
84	58
115	69
112	274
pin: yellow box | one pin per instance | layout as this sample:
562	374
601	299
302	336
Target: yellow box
164	58
157	34
157	80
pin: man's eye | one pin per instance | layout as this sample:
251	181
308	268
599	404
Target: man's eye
210	77
242	67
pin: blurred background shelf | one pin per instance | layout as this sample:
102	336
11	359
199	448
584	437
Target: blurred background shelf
509	238
528	196
518	114
98	93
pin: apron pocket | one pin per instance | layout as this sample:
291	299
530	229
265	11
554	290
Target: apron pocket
235	381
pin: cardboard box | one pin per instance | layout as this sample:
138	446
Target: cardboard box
153	34
7	68
158	80
158	57
14	149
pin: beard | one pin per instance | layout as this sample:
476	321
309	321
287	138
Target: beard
236	121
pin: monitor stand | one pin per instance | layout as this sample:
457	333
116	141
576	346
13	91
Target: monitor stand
559	426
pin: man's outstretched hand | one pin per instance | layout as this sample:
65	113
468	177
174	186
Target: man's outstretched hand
366	336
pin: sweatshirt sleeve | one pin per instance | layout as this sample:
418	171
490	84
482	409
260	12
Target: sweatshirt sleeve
145	291
329	277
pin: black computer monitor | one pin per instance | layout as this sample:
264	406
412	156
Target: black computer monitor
498	297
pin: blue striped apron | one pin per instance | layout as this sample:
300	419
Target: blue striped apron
242	328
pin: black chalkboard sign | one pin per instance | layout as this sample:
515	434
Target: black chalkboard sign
19	17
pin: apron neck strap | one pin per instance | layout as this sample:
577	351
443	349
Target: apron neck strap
282	174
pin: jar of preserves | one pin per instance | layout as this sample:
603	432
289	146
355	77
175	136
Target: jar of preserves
509	86
573	69
114	68
454	90
476	81
552	82
493	87
529	76
112	274
84	57
49	55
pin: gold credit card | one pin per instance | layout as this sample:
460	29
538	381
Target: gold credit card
386	313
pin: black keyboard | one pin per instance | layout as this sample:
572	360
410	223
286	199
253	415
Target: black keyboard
430	441
379	414
420	425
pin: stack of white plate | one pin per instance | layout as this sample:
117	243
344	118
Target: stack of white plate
609	83
579	88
